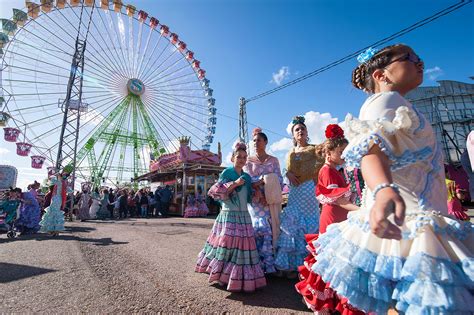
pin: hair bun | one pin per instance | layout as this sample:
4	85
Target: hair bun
239	146
298	120
256	131
334	131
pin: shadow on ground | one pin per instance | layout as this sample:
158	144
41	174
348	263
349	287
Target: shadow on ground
66	236
13	272
279	293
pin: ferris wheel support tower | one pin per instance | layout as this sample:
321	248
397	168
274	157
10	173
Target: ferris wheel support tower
72	107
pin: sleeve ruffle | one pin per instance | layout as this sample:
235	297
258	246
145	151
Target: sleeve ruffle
395	138
326	195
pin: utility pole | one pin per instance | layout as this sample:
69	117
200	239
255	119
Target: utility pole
243	128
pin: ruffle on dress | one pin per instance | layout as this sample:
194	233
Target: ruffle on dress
318	295
230	255
395	138
53	218
300	217
430	271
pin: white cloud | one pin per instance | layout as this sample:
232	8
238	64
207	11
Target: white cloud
434	73
4	151
284	144
227	162
281	75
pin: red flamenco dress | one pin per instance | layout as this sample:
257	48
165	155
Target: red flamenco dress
317	294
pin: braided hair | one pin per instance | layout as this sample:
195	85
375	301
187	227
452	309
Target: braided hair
362	74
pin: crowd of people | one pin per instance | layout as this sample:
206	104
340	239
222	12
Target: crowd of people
30	211
108	203
367	227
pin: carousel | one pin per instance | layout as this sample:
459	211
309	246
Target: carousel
190	172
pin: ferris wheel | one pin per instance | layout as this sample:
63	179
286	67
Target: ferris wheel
141	87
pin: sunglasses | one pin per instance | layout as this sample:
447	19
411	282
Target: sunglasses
411	57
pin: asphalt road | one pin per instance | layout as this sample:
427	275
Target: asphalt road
134	265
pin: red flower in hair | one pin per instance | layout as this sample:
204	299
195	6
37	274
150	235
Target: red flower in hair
334	131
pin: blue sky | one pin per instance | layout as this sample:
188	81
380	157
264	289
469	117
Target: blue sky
242	44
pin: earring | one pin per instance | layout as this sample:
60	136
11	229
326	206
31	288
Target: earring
385	82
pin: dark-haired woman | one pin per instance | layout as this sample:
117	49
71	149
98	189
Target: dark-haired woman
264	211
301	215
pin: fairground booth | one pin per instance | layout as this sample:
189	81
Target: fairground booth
188	172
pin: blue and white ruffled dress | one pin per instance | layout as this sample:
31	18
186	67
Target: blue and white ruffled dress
429	271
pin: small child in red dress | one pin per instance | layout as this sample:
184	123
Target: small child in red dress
334	194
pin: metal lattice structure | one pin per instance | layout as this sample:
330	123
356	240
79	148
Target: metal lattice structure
450	109
133	88
243	127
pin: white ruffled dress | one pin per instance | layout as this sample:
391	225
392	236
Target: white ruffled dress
429	271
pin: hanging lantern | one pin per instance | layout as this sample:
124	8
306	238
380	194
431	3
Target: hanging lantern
189	55
8	26
142	16
33	9
23	148
212	120
118	5
212	110
4	117
154	22
196	63
182	46
11	134
51	170
74	3
37	161
211	130
46	5
3	39
209	92
205	83
19	17
164	30
60	4
89	3
104	4
174	38
130	10
211	102
201	74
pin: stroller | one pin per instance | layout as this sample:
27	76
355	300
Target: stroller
8	215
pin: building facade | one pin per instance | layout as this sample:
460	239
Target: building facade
450	109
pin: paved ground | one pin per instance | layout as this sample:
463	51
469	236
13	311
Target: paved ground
136	265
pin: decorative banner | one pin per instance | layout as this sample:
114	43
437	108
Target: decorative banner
8	175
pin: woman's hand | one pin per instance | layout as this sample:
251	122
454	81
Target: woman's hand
239	182
292	178
387	201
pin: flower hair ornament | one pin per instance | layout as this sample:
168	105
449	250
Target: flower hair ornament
298	120
256	131
366	55
239	146
334	131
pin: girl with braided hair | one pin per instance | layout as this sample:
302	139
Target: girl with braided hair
334	194
401	250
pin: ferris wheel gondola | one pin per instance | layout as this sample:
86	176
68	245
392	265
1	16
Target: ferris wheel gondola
142	86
